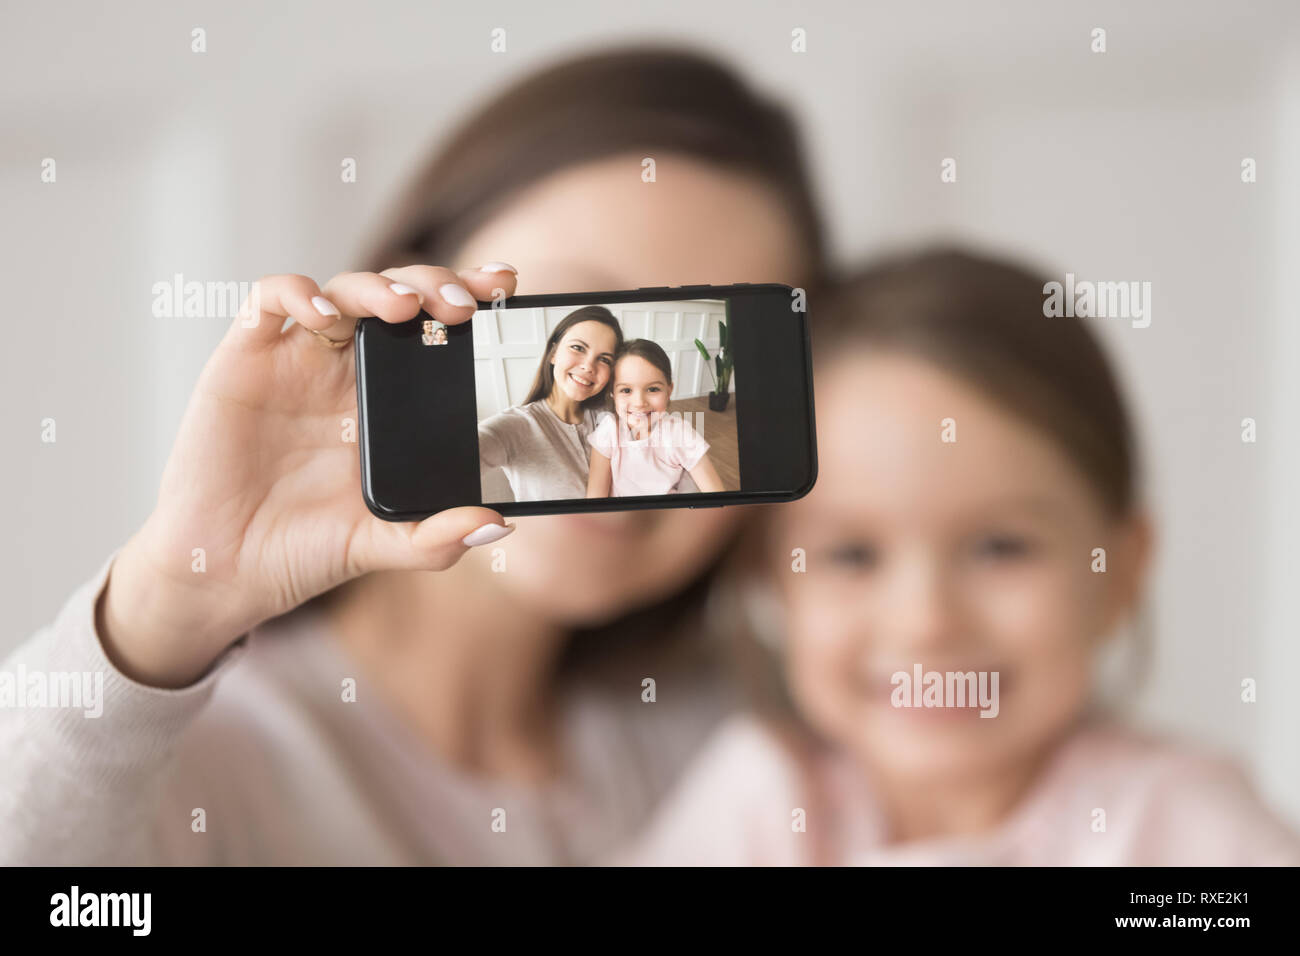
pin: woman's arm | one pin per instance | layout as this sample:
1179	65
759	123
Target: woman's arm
494	441
259	510
260	506
86	775
600	477
706	476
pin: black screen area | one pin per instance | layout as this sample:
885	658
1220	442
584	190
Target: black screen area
778	452
418	428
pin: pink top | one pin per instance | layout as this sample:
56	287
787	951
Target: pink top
1165	805
654	464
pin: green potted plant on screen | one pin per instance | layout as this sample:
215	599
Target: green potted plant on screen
719	368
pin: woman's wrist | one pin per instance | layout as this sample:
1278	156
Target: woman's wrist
153	629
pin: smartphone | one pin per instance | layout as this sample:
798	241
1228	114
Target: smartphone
690	396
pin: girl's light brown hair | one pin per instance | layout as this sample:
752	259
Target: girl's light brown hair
981	320
652	352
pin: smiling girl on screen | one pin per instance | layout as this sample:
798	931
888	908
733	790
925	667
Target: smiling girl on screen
641	449
977	467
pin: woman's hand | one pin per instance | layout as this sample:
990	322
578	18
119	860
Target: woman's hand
264	477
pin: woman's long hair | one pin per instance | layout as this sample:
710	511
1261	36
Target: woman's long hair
626	100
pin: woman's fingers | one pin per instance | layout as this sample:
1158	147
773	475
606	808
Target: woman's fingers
368	293
434	544
395	295
490	280
453	298
272	300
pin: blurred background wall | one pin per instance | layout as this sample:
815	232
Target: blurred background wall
1123	165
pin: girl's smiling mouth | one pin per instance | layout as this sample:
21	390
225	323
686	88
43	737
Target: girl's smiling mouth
585	383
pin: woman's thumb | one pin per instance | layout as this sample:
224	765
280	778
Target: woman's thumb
434	544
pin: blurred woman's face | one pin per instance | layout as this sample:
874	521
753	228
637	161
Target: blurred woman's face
600	227
967	555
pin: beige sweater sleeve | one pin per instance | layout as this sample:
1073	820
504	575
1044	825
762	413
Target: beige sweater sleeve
79	787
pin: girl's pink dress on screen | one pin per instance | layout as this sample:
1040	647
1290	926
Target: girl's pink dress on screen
654	464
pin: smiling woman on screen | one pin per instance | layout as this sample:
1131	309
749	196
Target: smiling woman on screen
541	445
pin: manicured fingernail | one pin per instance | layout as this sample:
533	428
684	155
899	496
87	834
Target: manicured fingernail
399	288
455	294
486	534
497	267
324	306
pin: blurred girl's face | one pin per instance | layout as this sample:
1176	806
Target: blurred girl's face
958	556
583	359
595	227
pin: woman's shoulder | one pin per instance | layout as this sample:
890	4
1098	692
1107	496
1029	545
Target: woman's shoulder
512	418
515	429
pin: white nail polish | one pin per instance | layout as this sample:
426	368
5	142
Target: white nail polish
497	267
324	306
399	288
486	534
456	295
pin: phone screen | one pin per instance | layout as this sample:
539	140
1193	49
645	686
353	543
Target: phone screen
638	393
692	396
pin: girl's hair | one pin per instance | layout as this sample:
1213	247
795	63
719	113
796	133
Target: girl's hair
982	321
544	380
652	352
640	100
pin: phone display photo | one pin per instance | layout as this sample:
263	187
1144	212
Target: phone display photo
695	396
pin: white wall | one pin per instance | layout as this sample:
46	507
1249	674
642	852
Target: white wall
1121	165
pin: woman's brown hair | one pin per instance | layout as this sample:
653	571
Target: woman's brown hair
630	100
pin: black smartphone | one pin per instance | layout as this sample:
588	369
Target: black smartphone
691	396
